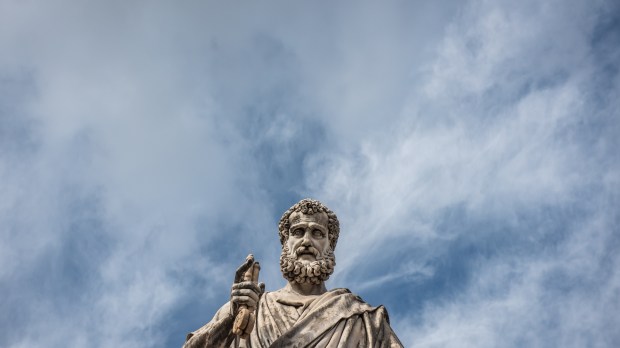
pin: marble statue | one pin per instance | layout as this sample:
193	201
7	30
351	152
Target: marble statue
303	313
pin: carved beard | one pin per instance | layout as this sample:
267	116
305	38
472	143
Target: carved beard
314	272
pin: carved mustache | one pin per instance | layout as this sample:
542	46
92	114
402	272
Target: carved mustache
305	250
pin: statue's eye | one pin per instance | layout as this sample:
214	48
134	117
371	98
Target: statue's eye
298	232
318	233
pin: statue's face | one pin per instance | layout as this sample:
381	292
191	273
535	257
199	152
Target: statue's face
307	256
308	236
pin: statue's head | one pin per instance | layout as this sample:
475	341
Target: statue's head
309	206
308	233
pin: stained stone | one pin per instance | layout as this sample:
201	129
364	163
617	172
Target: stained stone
303	313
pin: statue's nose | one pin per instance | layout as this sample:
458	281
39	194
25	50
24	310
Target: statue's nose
306	241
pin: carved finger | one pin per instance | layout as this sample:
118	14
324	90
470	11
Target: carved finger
245	292
247	285
261	286
244	300
249	261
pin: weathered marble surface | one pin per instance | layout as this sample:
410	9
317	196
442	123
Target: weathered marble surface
303	313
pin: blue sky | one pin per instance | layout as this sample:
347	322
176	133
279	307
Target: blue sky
469	148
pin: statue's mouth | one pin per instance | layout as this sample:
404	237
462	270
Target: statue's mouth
307	251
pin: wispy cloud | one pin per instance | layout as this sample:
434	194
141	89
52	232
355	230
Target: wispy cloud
469	149
492	176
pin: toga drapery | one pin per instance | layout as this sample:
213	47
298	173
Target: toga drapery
334	319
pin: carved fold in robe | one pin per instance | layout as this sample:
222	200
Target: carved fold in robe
337	318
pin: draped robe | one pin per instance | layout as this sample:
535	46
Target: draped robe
334	319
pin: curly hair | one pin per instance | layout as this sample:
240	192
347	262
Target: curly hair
310	206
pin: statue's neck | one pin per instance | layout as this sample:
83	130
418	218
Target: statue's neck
306	289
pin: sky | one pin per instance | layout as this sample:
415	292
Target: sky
471	150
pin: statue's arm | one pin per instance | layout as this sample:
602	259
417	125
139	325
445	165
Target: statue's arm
217	333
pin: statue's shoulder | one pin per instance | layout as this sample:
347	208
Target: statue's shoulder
346	292
341	291
356	301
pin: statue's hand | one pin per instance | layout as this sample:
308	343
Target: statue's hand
245	292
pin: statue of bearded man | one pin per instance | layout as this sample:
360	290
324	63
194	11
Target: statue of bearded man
303	313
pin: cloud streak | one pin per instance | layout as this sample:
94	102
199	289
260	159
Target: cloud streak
469	149
494	179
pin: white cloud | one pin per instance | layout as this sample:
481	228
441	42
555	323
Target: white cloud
149	134
496	127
